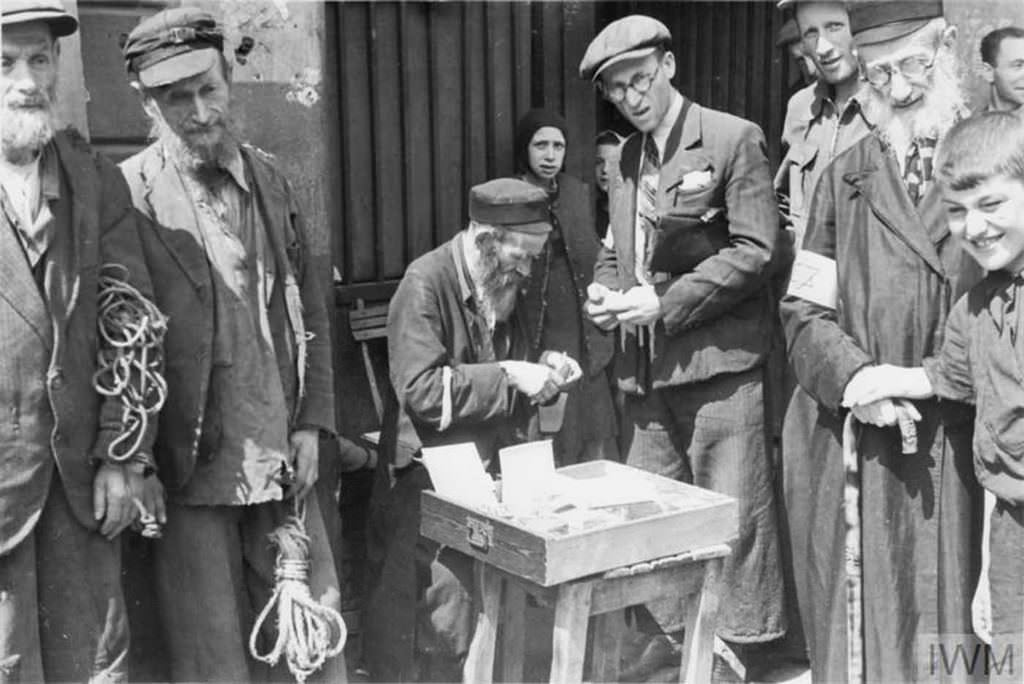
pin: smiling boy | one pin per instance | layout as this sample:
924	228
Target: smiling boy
981	174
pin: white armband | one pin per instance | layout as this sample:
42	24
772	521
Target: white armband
814	278
446	399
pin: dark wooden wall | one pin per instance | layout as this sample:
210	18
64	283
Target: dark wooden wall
430	95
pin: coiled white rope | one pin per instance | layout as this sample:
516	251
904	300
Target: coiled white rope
308	633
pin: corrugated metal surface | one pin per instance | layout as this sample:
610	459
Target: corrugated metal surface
430	94
725	57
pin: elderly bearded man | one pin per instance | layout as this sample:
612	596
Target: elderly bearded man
878	223
248	355
461	372
65	212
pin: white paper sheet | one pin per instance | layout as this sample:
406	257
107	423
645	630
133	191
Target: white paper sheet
458	474
814	278
527	474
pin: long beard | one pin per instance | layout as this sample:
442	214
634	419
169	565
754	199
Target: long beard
497	290
29	123
941	106
198	158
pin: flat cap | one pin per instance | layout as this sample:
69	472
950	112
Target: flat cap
627	38
512	204
50	11
789	33
173	45
878	21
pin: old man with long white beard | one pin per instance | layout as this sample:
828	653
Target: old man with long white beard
877	225
64	496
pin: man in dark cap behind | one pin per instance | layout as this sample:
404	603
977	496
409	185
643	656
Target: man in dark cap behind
695	316
250	387
877	225
822	120
460	372
64	212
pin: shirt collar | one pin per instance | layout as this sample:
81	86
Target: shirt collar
664	129
462	268
236	169
823	103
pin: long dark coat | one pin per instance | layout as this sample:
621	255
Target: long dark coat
898	274
52	413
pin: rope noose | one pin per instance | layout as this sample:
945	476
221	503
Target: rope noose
308	633
131	330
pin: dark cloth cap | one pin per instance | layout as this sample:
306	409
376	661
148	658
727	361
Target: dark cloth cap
789	33
627	38
50	11
531	122
878	21
512	204
173	45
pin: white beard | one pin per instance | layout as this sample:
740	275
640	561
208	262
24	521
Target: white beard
941	106
26	131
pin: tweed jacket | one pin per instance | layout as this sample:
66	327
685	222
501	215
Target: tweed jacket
52	413
176	256
717	318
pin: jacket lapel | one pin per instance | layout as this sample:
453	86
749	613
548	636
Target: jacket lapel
163	190
882	188
62	279
19	287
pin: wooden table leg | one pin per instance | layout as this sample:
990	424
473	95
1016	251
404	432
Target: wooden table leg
609	629
479	665
513	633
569	640
699	639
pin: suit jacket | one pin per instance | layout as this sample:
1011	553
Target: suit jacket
434	357
184	291
49	343
717	318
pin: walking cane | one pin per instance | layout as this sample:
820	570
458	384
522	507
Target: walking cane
854	540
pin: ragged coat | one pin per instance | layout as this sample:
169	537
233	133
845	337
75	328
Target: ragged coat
899	273
184	291
53	415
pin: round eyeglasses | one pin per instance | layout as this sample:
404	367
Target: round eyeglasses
880	75
640	84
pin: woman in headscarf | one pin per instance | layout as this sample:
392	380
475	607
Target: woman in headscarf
583	422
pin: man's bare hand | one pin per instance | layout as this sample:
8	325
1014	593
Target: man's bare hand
637	306
568	368
305	445
537	381
596	307
112	499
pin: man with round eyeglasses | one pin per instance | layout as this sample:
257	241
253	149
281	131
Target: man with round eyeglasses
878	228
683	276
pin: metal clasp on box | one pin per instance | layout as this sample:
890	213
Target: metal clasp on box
479	533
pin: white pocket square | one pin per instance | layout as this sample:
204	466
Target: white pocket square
695	180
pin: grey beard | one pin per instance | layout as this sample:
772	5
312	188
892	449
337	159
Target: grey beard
26	132
198	159
496	291
941	107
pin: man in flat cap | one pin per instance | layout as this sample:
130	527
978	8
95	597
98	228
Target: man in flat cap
822	120
685	277
64	213
250	387
460	372
873	284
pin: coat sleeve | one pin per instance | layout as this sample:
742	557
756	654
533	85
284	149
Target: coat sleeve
822	355
950	371
432	390
737	271
316	408
119	244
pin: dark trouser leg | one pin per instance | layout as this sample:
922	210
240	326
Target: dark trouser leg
82	618
20	659
1006	580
